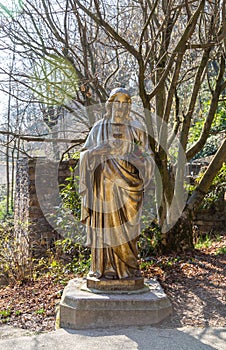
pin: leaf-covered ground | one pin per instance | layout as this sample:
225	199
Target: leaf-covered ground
195	284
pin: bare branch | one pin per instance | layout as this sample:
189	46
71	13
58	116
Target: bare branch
212	110
196	87
29	138
177	121
100	21
146	25
181	44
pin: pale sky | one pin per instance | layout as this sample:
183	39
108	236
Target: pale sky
9	6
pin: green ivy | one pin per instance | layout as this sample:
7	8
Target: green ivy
218	125
149	241
216	190
70	196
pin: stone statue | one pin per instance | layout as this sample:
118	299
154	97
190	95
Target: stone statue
115	168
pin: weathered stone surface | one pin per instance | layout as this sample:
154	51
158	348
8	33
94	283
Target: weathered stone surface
213	218
105	284
32	230
81	309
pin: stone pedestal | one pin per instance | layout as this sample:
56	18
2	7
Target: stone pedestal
81	308
120	285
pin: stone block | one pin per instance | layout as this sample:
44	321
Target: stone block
105	284
82	309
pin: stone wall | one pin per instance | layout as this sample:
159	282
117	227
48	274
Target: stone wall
212	219
37	188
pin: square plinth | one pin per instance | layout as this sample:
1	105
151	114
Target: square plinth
106	285
82	309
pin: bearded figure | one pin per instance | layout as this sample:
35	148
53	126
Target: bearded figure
115	168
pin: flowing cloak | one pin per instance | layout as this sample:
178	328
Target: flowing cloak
112	189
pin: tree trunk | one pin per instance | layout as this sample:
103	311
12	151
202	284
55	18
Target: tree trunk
180	237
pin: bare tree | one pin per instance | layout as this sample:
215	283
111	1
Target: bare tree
161	50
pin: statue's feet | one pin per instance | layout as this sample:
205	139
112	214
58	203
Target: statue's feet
95	274
137	273
111	275
132	274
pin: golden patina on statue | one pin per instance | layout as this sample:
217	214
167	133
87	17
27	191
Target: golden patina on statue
115	168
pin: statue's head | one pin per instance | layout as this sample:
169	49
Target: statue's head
119	92
118	104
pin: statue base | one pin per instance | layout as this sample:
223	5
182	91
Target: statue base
82	308
112	285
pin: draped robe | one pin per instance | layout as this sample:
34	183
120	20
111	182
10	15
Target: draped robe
112	189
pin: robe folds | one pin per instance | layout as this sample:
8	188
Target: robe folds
112	188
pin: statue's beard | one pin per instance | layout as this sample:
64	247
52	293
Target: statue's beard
120	116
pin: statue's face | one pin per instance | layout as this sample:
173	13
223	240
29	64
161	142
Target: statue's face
121	106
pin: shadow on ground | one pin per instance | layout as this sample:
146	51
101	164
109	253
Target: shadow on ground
130	338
